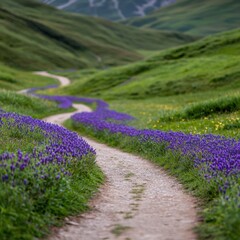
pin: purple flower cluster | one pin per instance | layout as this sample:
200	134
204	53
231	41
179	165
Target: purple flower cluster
216	157
50	158
102	108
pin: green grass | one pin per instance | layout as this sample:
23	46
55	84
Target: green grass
193	89
13	79
187	113
37	108
208	108
206	65
193	17
29	212
35	37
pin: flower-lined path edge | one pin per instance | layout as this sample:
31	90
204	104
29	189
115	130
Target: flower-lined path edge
139	200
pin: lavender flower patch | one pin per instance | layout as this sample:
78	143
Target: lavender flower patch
216	157
49	160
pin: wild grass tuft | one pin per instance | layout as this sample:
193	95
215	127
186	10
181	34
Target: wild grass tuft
203	109
37	108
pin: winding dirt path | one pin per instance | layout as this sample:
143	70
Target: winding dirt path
139	201
63	80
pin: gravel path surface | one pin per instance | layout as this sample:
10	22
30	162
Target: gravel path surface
139	201
63	80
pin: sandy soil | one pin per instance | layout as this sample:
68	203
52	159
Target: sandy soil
139	200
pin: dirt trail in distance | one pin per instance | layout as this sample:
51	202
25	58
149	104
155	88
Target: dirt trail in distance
63	80
139	201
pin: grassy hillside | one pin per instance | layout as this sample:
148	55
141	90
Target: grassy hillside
106	9
193	17
193	89
209	64
35	36
12	79
37	108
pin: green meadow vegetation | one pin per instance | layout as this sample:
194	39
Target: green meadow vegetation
36	36
21	104
194	89
198	17
12	80
29	210
218	217
208	64
15	80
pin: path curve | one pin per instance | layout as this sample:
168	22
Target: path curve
139	200
63	80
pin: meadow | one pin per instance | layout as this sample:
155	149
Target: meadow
47	173
187	100
206	164
193	17
192	88
40	163
219	115
38	37
179	108
211	63
15	79
12	80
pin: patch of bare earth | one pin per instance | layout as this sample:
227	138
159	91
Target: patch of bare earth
139	201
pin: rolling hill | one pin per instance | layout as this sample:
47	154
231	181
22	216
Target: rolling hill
15	80
109	9
199	17
34	36
208	64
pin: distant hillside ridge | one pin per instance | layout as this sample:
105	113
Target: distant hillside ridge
212	63
110	9
35	36
199	17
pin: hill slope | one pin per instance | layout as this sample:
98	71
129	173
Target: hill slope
15	80
36	36
110	9
200	17
212	63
